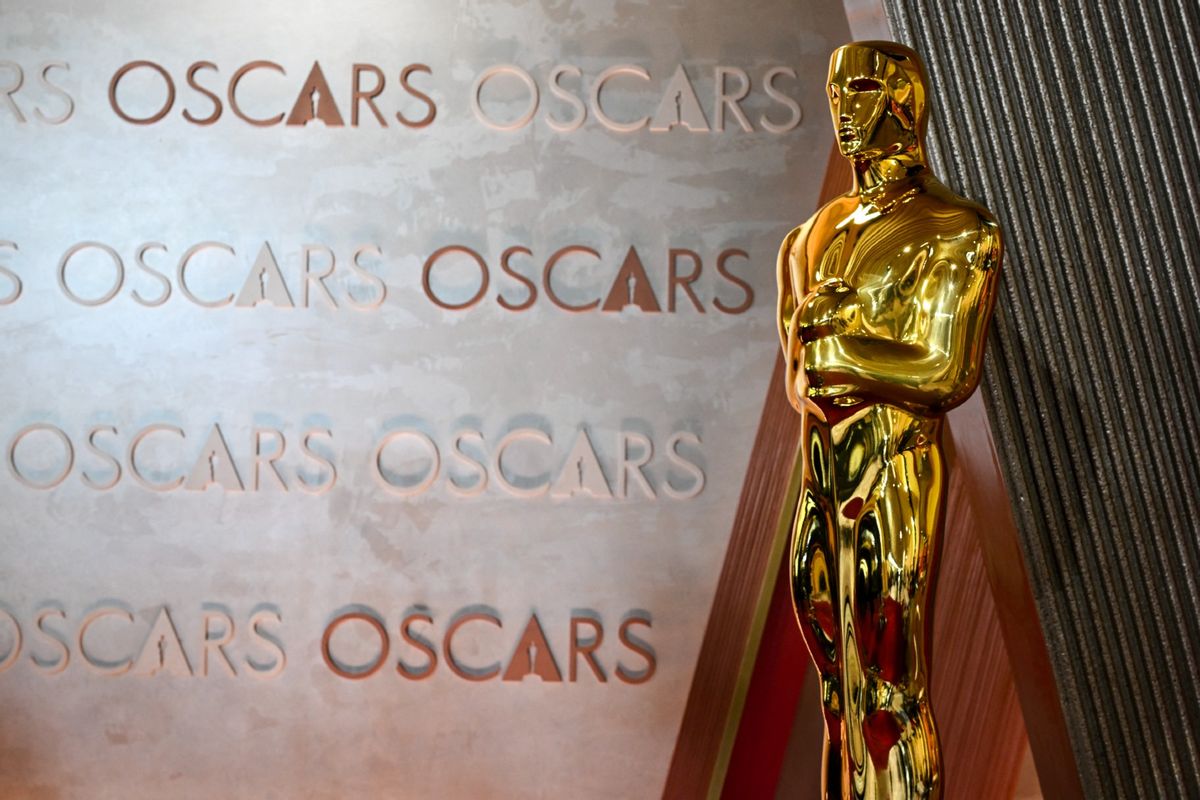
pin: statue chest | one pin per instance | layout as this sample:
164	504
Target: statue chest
872	261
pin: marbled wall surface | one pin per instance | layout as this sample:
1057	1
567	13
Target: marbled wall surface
368	355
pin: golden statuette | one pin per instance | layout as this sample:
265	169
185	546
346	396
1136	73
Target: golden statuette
884	301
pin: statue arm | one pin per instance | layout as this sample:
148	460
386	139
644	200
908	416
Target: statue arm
788	267
786	305
829	309
936	362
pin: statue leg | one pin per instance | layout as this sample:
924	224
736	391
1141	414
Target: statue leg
896	540
813	569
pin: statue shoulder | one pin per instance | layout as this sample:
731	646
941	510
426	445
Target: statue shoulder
966	216
797	238
989	245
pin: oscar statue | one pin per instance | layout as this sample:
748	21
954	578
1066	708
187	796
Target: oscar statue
885	295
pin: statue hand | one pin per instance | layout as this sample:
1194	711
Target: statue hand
829	309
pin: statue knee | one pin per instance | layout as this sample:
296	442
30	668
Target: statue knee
812	583
880	613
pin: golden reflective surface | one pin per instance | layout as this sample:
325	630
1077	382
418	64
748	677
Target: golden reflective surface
885	295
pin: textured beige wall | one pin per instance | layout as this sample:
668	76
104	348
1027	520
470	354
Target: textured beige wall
360	374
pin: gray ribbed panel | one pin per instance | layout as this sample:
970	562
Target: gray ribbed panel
1076	123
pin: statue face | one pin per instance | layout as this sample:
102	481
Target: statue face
875	100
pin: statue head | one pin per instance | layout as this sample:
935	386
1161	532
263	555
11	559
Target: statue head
877	99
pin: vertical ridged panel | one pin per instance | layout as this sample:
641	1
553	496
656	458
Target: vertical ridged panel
1076	123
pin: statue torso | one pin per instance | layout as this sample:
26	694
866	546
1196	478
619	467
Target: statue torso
906	264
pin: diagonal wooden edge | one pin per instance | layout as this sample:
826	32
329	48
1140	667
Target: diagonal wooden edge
768	591
974	456
739	610
766	713
739	606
